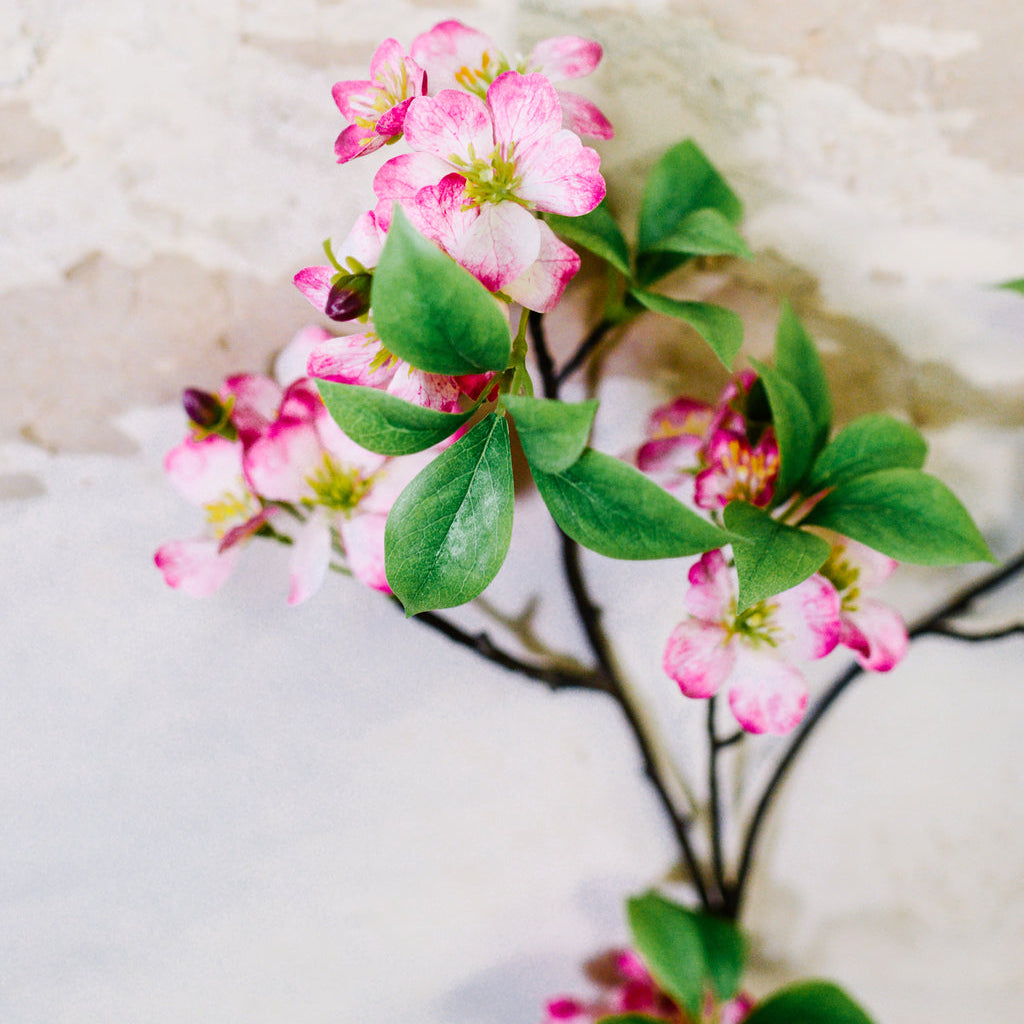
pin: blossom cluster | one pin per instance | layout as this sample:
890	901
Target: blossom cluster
264	457
704	453
491	145
628	988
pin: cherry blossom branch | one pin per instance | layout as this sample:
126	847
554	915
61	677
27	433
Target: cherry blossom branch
935	624
714	798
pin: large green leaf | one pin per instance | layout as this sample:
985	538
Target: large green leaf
794	428
597	232
613	509
553	434
432	313
797	359
1014	286
904	513
808	1002
449	531
870	443
724	953
771	557
706	232
667	937
721	328
386	424
682	181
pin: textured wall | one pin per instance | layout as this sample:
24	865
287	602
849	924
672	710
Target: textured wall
164	170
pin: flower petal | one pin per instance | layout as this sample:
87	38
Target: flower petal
403	176
526	110
561	175
310	557
807	617
766	694
500	244
581	116
278	463
348	360
877	633
698	657
355	141
450	124
541	285
431	390
566	56
447	48
363	537
713	588
196	566
202	471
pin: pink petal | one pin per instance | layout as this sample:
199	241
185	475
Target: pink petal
291	362
364	242
196	566
353	98
278	463
713	588
403	176
561	175
566	56
541	285
203	471
807	617
310	557
363	538
315	284
699	657
873	568
766	694
388	55
256	401
450	124
391	122
526	110
355	141
500	244
438	212
431	390
238	534
346	360
877	633
581	116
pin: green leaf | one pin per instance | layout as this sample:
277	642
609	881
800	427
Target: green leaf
449	531
1014	286
772	557
432	313
613	509
597	232
669	940
553	434
706	232
794	429
721	328
384	423
808	1002
870	443
630	1018
797	359
682	181
904	513
724	953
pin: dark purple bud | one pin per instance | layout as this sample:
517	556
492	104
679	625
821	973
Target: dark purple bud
202	408
349	297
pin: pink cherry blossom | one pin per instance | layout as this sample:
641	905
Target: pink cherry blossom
629	988
873	630
737	470
751	652
458	57
514	158
376	106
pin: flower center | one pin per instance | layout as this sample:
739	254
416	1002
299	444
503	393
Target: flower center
844	577
751	473
756	625
228	510
476	80
339	488
489	181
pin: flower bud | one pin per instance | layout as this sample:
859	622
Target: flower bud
204	409
349	297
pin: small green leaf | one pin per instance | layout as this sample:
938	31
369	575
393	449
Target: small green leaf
797	359
432	313
904	513
449	531
667	937
1014	286
794	429
597	232
682	181
721	328
613	509
870	443
772	557
553	434
706	232
808	1002
724	953
384	423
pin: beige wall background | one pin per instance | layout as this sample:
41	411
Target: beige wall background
164	170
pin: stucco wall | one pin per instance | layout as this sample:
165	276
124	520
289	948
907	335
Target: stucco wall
211	818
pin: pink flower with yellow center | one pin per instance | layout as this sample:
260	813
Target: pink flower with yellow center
738	471
751	652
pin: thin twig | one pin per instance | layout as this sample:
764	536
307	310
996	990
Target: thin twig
944	629
935	624
714	797
586	347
